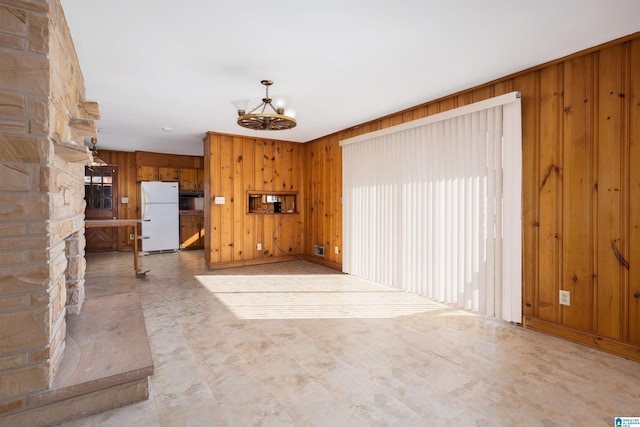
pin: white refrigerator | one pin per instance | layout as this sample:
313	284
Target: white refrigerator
160	208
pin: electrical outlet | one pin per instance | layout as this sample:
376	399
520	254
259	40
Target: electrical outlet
337	250
565	298
259	247
131	237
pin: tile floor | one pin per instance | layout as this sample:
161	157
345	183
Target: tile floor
297	344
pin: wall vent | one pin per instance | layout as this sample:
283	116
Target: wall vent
318	250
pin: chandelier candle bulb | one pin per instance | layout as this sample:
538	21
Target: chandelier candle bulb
241	105
291	112
280	102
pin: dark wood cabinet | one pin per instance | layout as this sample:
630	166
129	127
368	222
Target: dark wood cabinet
191	179
167	174
191	231
147	173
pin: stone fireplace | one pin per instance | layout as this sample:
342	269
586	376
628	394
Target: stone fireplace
43	122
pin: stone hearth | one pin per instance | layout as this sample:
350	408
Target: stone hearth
106	364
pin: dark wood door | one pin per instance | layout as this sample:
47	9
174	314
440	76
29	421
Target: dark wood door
101	195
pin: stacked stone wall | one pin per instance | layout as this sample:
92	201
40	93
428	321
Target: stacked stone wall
42	261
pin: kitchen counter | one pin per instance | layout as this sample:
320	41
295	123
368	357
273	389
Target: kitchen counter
140	272
191	212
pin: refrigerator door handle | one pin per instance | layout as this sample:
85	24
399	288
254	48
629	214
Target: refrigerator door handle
143	215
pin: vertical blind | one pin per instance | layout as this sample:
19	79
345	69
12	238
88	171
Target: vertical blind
433	207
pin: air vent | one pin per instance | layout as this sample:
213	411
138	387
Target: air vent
318	250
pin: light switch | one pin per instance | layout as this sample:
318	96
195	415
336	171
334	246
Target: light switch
219	200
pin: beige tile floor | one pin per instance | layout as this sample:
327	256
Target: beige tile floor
296	344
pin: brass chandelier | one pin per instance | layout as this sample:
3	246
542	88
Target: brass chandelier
97	161
270	114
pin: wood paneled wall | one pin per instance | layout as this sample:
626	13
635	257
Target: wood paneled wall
127	187
148	158
323	219
581	195
235	165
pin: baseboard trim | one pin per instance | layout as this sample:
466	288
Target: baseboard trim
590	339
254	261
316	260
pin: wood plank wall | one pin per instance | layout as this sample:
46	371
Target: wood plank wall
148	158
323	214
235	165
581	195
127	187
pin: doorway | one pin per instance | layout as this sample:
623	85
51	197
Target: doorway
101	196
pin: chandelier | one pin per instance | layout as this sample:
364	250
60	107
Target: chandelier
270	114
97	161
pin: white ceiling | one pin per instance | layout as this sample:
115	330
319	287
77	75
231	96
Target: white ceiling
179	64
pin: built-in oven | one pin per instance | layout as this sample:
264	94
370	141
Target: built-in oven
191	202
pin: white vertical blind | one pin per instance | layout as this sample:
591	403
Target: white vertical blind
426	208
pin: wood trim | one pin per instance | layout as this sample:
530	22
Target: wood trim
412	122
254	261
148	158
322	261
252	138
272	192
583	337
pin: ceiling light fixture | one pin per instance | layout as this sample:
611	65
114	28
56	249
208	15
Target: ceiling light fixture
271	114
